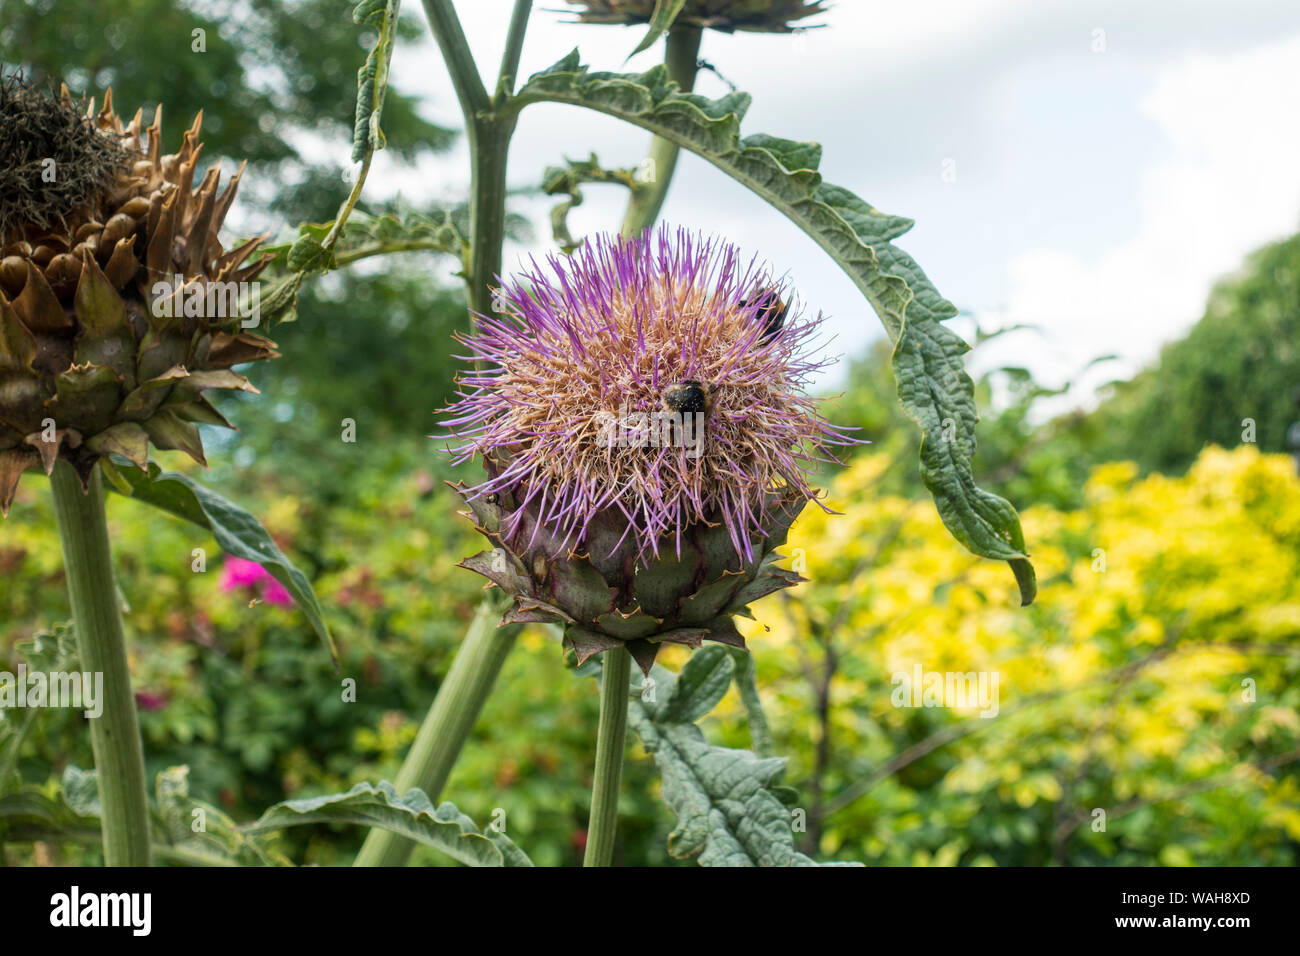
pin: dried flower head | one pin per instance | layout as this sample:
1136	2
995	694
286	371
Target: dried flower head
638	406
119	307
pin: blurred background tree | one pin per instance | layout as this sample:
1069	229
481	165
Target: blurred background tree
1240	361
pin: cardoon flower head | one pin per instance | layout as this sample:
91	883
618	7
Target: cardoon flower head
119	305
639	409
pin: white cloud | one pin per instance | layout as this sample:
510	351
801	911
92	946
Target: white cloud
1229	180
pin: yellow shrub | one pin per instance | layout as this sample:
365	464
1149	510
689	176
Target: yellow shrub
1161	655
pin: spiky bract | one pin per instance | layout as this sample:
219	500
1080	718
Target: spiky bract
102	349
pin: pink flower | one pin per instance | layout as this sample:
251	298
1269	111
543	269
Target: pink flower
148	700
273	592
239	573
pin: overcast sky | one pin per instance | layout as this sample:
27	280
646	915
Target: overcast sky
1111	159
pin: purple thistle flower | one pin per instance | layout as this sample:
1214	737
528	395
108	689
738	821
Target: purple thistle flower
639	407
593	342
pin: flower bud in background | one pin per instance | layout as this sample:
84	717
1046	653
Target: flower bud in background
758	16
640	410
119	307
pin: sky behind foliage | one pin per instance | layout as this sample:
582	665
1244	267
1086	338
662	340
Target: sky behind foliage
1102	182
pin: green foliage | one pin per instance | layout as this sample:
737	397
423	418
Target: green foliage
728	803
567	180
665	12
245	697
372	78
1023	457
411	814
1155	678
192	831
237	532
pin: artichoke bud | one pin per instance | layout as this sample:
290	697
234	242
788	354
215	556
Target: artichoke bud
604	597
119	306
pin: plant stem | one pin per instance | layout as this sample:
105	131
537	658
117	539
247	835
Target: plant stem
465	78
514	47
681	57
602	828
447	726
489	142
489	135
97	619
478	661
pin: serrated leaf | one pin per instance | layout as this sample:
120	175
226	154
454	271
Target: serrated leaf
219	842
731	809
236	531
411	815
933	385
372	77
73	813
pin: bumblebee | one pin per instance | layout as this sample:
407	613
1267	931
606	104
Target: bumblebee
688	397
772	311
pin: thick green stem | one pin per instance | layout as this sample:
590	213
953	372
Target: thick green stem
450	37
611	738
489	135
478	661
97	619
489	141
681	57
447	726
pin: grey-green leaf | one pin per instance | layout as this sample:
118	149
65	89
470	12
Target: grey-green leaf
236	531
730	807
702	683
933	385
411	814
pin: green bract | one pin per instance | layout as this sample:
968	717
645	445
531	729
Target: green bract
606	599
